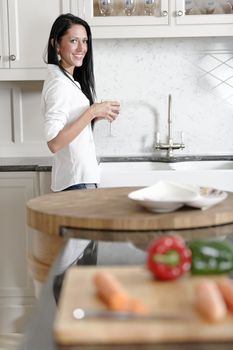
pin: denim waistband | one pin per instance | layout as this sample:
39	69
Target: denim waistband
81	187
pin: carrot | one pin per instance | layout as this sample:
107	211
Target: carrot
225	285
111	291
137	306
209	301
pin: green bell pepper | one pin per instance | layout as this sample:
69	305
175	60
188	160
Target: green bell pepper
211	257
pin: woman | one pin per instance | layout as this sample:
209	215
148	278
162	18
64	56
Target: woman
68	105
69	111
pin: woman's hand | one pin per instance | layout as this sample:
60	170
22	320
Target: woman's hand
106	110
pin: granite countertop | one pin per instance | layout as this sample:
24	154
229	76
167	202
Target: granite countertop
153	158
26	164
45	163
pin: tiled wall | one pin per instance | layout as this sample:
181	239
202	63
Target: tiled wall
217	74
198	72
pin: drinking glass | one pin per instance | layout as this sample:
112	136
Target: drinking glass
106	7
110	134
149	7
130	6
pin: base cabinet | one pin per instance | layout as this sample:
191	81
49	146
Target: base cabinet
45	248
17	296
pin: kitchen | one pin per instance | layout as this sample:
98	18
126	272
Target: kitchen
138	64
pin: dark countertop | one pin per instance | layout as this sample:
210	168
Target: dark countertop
153	158
45	163
25	164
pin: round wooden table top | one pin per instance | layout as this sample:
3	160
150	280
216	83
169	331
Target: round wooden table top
109	210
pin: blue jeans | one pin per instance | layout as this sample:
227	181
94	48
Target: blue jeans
89	256
80	187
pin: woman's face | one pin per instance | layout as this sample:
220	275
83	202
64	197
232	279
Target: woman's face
73	47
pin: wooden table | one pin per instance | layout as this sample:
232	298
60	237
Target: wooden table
108	214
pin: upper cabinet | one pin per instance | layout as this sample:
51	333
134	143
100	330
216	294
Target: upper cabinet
158	18
24	31
25	25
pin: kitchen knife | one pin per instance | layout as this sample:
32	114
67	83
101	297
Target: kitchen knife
80	314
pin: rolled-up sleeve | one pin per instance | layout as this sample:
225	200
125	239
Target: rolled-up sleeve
56	109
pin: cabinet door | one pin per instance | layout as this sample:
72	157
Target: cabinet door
44	182
134	18
3	34
204	12
16	287
16	188
29	27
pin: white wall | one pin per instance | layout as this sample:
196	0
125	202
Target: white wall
140	73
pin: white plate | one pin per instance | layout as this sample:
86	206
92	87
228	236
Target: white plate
207	198
167	196
164	196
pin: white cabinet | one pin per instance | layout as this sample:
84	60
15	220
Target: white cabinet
204	17
16	287
44	182
170	18
21	121
24	30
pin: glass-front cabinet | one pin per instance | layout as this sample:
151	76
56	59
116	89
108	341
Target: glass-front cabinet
158	18
204	11
127	12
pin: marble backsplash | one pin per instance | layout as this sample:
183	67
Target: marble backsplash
140	73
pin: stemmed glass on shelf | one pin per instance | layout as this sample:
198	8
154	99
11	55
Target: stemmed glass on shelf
106	7
149	7
129	7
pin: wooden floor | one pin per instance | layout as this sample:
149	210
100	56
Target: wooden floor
10	341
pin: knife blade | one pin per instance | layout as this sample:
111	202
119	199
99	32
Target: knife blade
80	314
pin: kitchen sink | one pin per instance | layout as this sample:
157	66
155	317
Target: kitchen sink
218	174
203	165
136	166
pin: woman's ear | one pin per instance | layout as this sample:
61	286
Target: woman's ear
52	42
53	45
57	48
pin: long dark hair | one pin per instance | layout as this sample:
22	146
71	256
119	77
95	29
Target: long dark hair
84	74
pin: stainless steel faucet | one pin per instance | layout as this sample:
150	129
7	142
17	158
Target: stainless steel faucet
170	145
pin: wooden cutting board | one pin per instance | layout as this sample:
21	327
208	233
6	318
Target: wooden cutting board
162	297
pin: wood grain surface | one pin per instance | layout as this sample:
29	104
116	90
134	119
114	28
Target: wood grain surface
110	209
165	298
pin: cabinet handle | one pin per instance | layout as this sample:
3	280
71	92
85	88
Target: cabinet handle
179	13
164	13
12	57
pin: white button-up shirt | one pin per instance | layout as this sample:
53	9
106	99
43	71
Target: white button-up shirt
62	102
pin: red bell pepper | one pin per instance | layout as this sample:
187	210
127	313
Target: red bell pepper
168	257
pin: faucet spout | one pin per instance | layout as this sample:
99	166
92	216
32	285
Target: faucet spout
170	145
169	118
